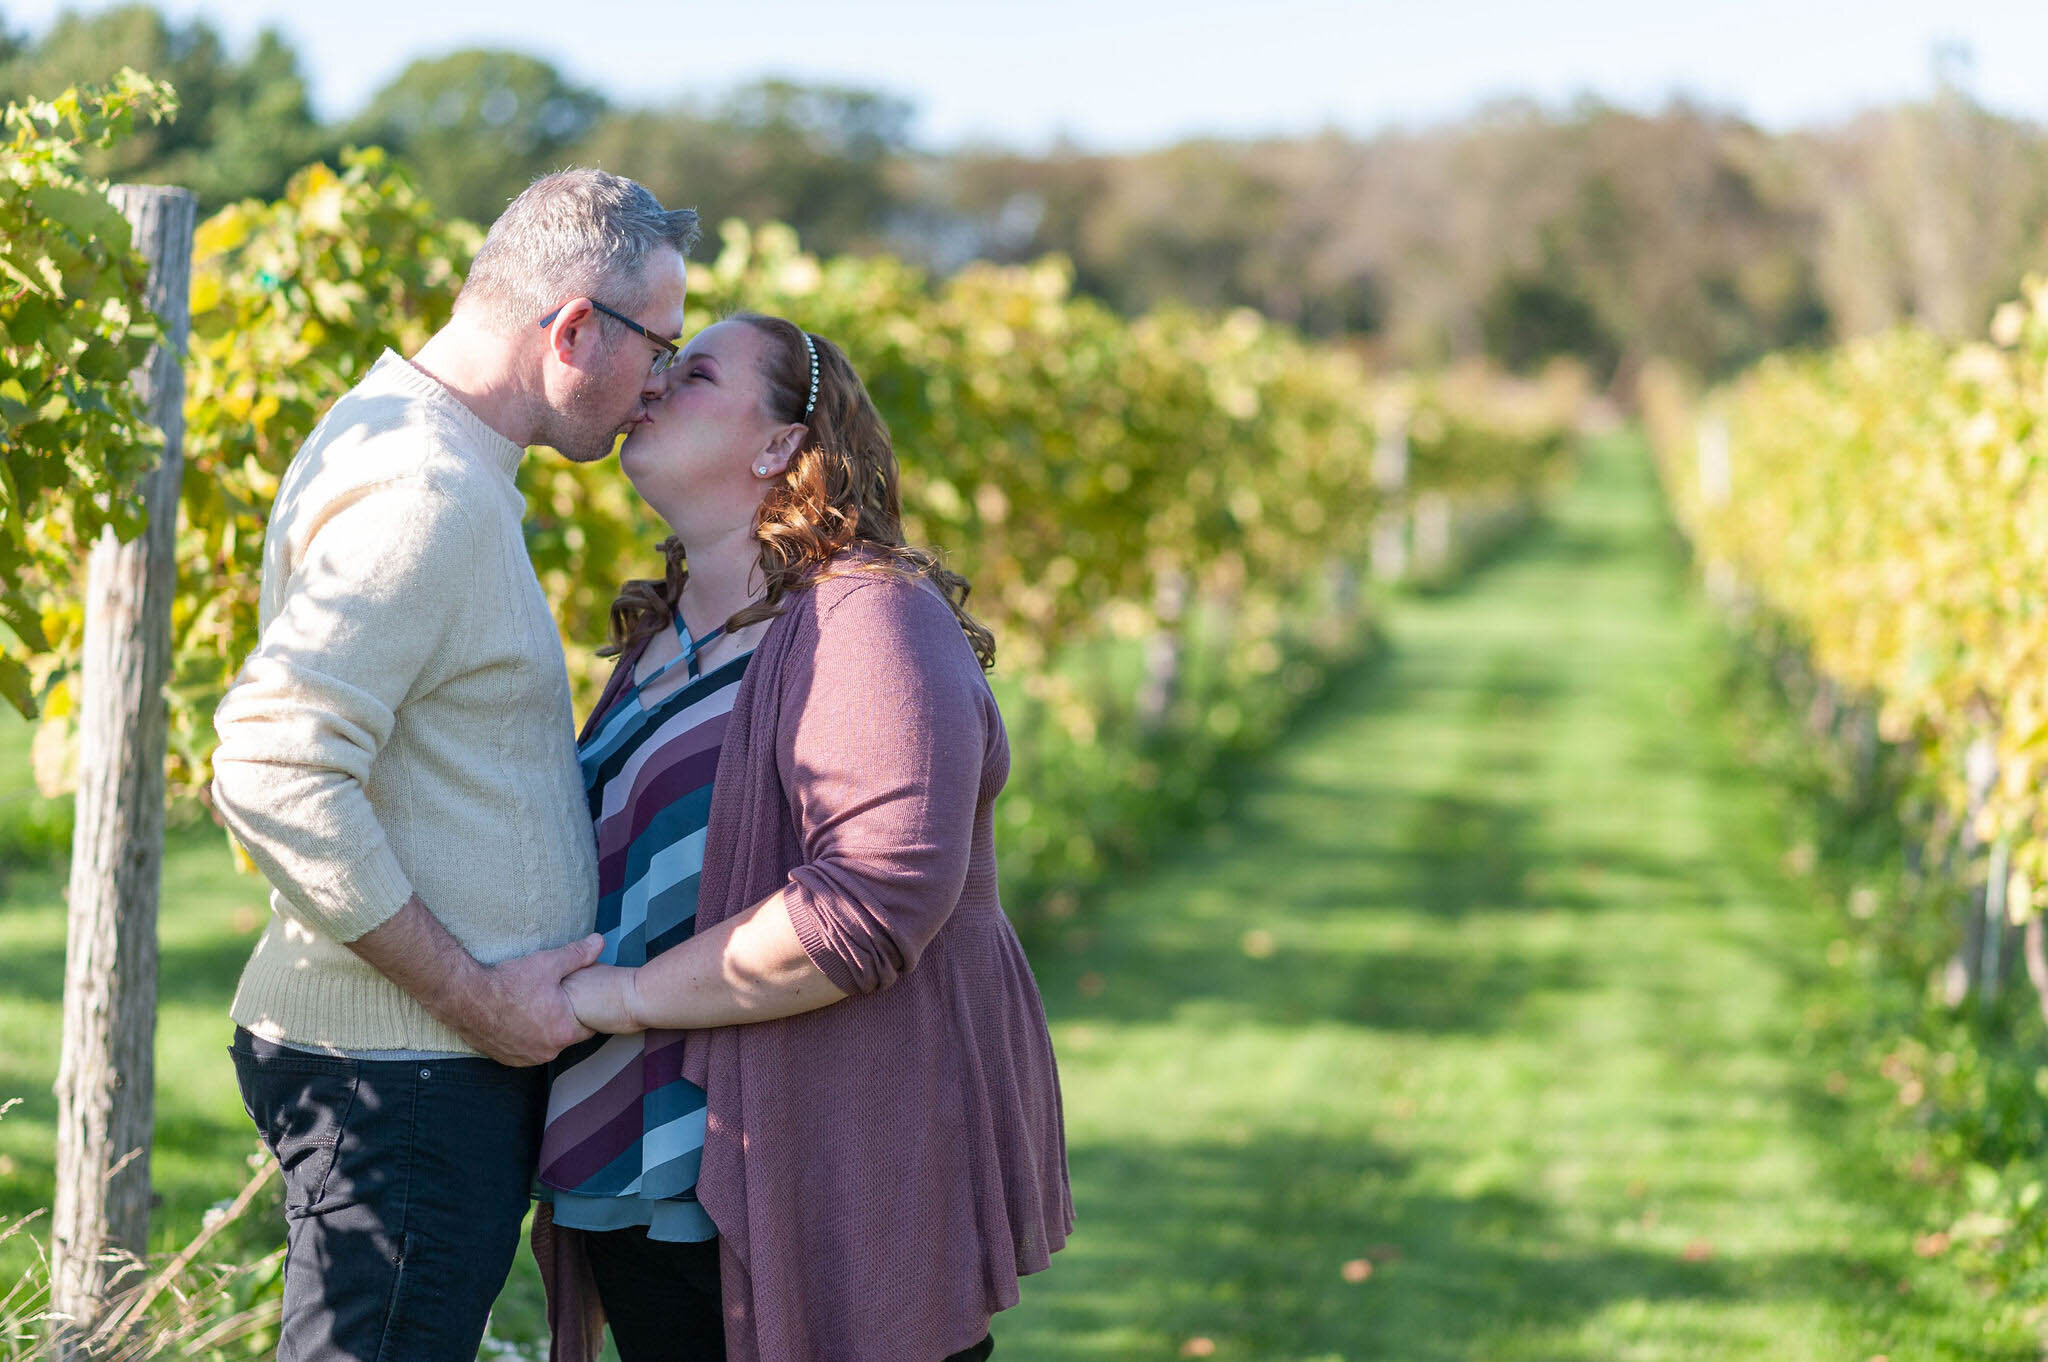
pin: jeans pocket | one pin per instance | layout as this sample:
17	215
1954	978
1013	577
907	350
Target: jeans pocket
301	1108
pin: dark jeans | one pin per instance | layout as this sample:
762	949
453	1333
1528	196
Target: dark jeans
662	1299
405	1184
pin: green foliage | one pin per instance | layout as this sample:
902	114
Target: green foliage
73	441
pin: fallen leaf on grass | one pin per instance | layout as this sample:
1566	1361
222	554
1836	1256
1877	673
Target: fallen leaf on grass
1357	1270
1931	1245
1198	1347
1090	985
1258	943
1698	1251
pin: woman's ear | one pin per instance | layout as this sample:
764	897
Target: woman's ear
781	451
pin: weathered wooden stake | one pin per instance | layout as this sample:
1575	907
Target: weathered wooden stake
1390	480
1963	974
106	1075
1435	536
1156	693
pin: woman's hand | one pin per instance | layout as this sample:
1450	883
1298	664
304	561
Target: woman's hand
606	999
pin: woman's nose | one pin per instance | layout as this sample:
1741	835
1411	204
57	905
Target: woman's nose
655	386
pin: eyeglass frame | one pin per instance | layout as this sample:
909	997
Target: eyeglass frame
665	357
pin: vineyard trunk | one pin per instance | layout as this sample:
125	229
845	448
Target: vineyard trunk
106	1075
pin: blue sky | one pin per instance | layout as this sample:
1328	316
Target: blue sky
1128	73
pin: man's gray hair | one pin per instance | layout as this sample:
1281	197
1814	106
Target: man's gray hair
577	233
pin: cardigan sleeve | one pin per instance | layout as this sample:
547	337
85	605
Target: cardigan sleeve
378	587
884	734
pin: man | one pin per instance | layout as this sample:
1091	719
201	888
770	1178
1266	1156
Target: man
398	755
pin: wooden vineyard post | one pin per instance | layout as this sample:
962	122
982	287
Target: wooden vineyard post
1435	536
1716	470
1163	650
1991	963
106	1072
1390	479
1964	972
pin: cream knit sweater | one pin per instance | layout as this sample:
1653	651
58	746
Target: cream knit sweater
404	724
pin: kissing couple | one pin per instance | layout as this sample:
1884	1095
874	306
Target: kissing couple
722	984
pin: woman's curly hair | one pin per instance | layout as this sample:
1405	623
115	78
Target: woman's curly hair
841	492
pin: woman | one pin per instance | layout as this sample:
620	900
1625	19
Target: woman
819	1040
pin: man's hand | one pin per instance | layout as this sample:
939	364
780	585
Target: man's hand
516	1012
606	999
521	1013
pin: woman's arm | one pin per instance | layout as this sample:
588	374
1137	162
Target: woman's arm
748	968
882	749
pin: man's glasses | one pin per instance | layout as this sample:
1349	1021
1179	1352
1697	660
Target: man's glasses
666	353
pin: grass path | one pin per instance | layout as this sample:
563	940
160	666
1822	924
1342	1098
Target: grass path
1489	988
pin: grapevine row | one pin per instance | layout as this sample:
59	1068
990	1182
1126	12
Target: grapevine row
1162	516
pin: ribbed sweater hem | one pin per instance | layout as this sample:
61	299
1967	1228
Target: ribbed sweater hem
286	997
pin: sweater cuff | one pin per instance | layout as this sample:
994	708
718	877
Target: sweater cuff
816	936
361	896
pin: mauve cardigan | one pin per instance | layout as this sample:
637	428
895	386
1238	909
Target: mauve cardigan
884	1169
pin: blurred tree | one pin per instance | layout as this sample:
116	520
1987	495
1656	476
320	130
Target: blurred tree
818	157
242	127
479	125
1528	319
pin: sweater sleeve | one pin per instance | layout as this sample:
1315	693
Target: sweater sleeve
378	591
882	752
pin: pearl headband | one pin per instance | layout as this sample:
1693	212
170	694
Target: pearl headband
812	350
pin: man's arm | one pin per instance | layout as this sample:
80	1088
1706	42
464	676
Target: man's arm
516	1012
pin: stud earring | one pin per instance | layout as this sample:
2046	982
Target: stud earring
762	470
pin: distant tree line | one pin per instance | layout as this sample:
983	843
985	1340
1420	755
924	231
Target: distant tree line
1521	231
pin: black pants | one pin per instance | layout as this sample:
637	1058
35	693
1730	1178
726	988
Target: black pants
405	1184
662	1299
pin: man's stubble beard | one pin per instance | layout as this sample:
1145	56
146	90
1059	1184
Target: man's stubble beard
580	433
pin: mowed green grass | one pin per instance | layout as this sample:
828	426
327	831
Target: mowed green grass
1481	1028
1490	990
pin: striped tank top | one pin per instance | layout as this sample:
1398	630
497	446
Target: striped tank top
625	1129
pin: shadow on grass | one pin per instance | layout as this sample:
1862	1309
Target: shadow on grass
1248	1244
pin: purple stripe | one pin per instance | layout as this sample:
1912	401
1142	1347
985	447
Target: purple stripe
685	777
593	1127
664	1061
703	740
621	1092
594	1154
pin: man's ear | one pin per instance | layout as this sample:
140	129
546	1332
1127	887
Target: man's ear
574	327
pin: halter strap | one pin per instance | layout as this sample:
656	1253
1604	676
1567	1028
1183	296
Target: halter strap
688	656
693	646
